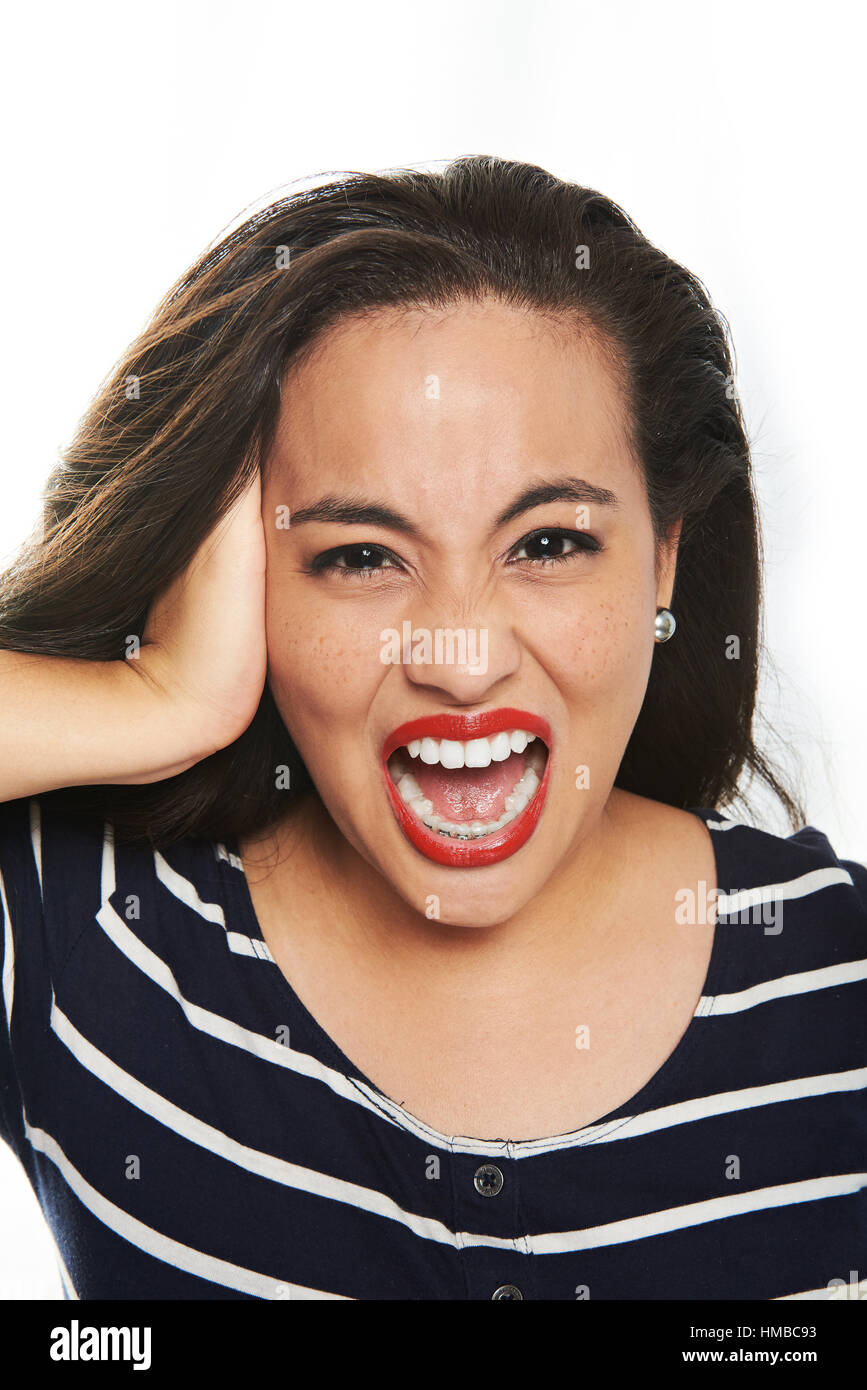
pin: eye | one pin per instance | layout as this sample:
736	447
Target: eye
553	546
349	560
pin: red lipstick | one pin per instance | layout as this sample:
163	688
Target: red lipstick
487	849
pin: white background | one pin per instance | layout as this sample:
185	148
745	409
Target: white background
733	134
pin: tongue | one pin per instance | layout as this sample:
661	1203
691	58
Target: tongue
466	794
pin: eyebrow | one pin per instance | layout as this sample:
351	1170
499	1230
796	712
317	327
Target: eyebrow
350	512
559	490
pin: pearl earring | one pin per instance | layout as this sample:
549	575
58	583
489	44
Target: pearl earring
665	624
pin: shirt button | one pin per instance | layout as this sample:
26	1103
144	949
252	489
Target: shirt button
507	1291
488	1180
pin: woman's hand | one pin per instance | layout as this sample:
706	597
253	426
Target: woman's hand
203	647
193	687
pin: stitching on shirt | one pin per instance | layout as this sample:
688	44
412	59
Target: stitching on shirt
417	1129
372	1099
520	1243
61	971
58	968
460	1244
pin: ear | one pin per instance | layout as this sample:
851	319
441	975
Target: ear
666	564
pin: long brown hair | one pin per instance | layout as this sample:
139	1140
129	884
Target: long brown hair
189	411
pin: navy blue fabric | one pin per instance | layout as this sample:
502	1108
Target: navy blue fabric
191	1132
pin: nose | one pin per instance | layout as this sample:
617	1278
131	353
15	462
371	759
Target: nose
457	662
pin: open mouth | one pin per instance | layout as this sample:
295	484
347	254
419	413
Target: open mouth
468	790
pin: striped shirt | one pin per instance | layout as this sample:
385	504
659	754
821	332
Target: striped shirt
191	1132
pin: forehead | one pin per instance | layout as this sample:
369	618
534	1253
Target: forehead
476	395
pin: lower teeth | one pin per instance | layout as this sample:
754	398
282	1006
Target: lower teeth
516	802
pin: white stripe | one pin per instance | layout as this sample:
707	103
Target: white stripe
107	874
215	1025
65	1277
186	892
801	982
36	838
638	1228
263	1165
359	1093
154	1243
65	1280
647	1122
182	889
355	1090
369	1199
8	940
229	858
800	887
835	1292
8	958
269	1050
726	1102
248	946
233	1276
724	824
697	1213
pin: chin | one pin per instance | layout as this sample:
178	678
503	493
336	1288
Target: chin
485	897
467	816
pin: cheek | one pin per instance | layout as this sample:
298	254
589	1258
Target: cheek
323	659
597	647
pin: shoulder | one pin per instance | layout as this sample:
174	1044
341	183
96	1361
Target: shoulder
665	842
59	867
766	878
792	866
793	907
50	866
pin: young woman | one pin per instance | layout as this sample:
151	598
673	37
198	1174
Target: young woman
373	698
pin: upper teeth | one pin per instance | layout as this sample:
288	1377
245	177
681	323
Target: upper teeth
474	752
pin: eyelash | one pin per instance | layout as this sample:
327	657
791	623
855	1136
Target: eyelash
584	544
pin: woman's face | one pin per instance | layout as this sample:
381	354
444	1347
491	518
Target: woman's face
460	554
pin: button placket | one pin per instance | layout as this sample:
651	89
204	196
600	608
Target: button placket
486	1205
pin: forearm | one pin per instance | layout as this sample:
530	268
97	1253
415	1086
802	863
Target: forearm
67	722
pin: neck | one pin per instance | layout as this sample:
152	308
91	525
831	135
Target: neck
574	918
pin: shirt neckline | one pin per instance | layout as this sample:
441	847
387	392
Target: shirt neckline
643	1099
